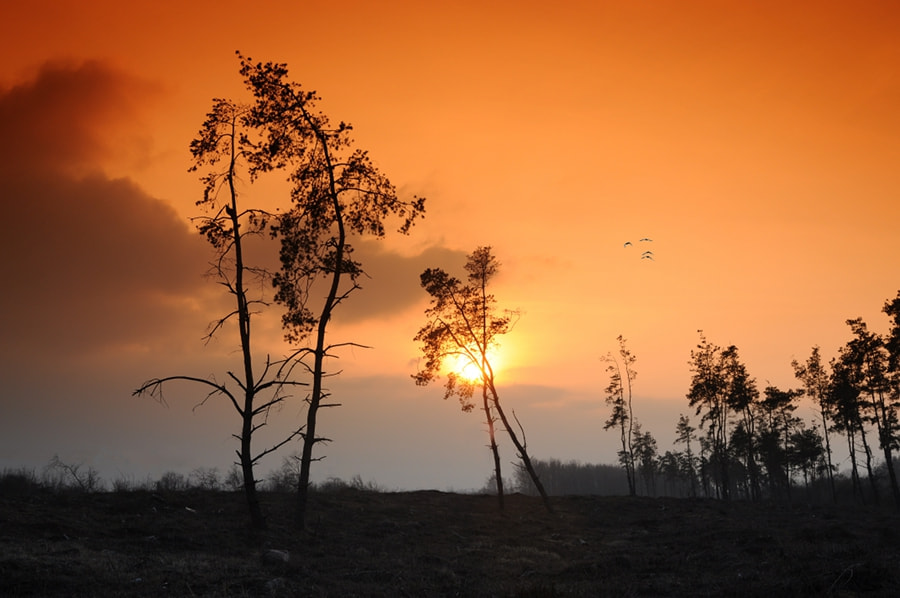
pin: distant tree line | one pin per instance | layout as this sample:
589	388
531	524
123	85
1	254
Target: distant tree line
752	445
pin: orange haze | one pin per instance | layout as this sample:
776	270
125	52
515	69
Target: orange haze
756	143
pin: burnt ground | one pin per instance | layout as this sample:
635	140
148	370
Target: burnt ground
361	543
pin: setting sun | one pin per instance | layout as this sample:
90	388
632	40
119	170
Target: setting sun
469	370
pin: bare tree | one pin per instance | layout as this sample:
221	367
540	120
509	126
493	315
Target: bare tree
226	146
337	192
85	480
463	324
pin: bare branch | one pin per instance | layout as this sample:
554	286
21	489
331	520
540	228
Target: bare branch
155	385
237	380
274	448
521	429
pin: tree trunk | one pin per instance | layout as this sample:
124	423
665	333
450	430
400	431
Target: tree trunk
869	469
494	450
315	400
250	493
892	475
885	438
854	468
828	455
246	455
520	447
628	460
309	437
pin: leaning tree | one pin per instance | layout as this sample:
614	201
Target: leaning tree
463	323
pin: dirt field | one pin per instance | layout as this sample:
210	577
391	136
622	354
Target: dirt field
439	544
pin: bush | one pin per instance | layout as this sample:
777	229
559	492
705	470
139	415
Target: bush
171	482
205	478
125	483
287	477
332	485
19	482
234	480
59	475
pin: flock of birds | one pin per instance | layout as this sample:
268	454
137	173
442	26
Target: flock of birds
646	255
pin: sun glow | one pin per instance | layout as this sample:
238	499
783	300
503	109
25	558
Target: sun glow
470	371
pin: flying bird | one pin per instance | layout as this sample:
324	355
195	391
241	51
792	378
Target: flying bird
647	255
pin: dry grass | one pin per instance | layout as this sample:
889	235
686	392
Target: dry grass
438	544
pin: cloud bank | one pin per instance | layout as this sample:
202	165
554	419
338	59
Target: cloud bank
88	260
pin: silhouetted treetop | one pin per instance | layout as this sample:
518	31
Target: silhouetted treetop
336	191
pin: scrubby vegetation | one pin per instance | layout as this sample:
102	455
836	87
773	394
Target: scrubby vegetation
157	541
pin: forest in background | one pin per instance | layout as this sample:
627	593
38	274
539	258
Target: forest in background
752	445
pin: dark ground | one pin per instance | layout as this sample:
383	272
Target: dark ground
437	544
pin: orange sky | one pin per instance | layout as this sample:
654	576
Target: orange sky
756	144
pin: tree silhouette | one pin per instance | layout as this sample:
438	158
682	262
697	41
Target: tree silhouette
463	323
708	395
742	398
619	397
844	401
777	423
892	342
226	146
337	192
684	434
720	390
806	452
645	450
814	376
868	357
892	345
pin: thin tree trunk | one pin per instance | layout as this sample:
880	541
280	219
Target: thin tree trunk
520	447
628	460
246	454
892	475
630	469
854	468
315	400
495	451
884	436
869	469
828	453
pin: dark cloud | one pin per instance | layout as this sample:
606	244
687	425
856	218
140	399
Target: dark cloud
392	282
61	119
88	260
92	262
390	285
